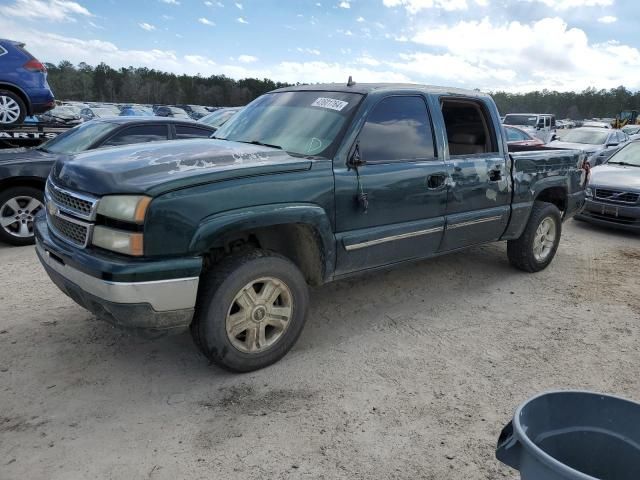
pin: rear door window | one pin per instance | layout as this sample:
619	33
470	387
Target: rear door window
184	132
138	134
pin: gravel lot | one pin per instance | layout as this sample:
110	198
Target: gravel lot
409	373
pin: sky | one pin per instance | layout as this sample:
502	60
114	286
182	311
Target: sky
515	45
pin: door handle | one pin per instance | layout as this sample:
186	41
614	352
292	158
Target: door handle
495	175
436	181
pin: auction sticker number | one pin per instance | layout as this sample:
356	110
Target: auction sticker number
330	103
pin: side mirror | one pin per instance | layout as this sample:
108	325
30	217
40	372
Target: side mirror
355	160
612	144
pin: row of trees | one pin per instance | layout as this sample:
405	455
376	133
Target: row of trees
142	85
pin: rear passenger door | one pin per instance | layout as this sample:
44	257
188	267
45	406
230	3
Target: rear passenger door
404	181
479	193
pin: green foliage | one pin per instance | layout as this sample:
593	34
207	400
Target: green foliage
589	103
147	86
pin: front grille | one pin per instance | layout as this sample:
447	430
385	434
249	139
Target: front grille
74	203
73	232
617	195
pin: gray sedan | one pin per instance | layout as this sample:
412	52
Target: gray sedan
598	143
613	192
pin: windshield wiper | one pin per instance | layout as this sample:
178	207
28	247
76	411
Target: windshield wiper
262	144
626	164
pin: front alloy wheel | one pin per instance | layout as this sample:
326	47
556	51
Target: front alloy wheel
18	208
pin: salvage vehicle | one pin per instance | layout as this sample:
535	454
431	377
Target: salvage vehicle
219	117
519	137
306	185
597	143
613	192
540	125
23	172
24	90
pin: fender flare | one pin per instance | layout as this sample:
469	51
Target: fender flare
219	225
24	95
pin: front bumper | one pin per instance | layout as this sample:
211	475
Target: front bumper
155	306
608	214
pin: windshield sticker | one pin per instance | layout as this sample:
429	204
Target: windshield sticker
330	103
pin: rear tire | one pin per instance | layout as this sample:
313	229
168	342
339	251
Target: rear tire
537	245
251	310
18	207
12	109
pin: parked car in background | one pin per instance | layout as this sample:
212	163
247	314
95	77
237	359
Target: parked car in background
91	113
174	112
613	193
633	131
598	143
24	90
135	111
594	124
540	125
61	114
520	137
219	117
196	112
23	173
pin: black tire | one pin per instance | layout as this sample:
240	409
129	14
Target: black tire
15	98
521	251
11	233
218	289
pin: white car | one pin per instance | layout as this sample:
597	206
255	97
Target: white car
633	131
598	143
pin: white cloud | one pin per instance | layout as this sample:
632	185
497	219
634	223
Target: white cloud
209	4
608	19
360	19
206	21
310	51
171	2
563	5
247	59
242	20
414	6
239	5
344	4
368	60
52	10
147	26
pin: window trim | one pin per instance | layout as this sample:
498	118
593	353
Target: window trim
488	124
125	127
411	160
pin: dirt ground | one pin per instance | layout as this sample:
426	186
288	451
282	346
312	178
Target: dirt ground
405	374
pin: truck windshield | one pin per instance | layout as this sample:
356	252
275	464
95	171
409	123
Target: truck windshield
77	139
301	123
629	155
588	136
525	120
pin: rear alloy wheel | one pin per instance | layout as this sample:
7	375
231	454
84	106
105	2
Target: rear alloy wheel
18	207
12	108
251	310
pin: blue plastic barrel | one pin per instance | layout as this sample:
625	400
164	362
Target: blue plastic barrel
573	435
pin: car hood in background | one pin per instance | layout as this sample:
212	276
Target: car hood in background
615	176
585	147
20	155
158	167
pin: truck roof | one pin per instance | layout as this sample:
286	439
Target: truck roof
365	88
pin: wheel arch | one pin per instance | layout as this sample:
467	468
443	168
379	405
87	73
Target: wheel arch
20	92
300	232
22	181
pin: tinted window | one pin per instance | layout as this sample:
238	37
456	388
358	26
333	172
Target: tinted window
514	135
184	131
77	139
397	129
139	134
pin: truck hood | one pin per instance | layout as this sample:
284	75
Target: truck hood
616	177
158	167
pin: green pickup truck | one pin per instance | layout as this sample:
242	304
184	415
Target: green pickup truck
306	185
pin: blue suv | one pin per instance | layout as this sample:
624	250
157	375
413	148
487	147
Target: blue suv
24	90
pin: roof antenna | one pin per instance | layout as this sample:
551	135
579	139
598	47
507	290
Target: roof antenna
350	82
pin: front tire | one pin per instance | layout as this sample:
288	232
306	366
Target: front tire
18	207
251	310
537	245
12	108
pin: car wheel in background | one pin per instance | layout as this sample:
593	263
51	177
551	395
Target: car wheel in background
18	207
251	310
537	245
12	108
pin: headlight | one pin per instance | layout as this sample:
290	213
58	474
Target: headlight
128	208
121	241
588	192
